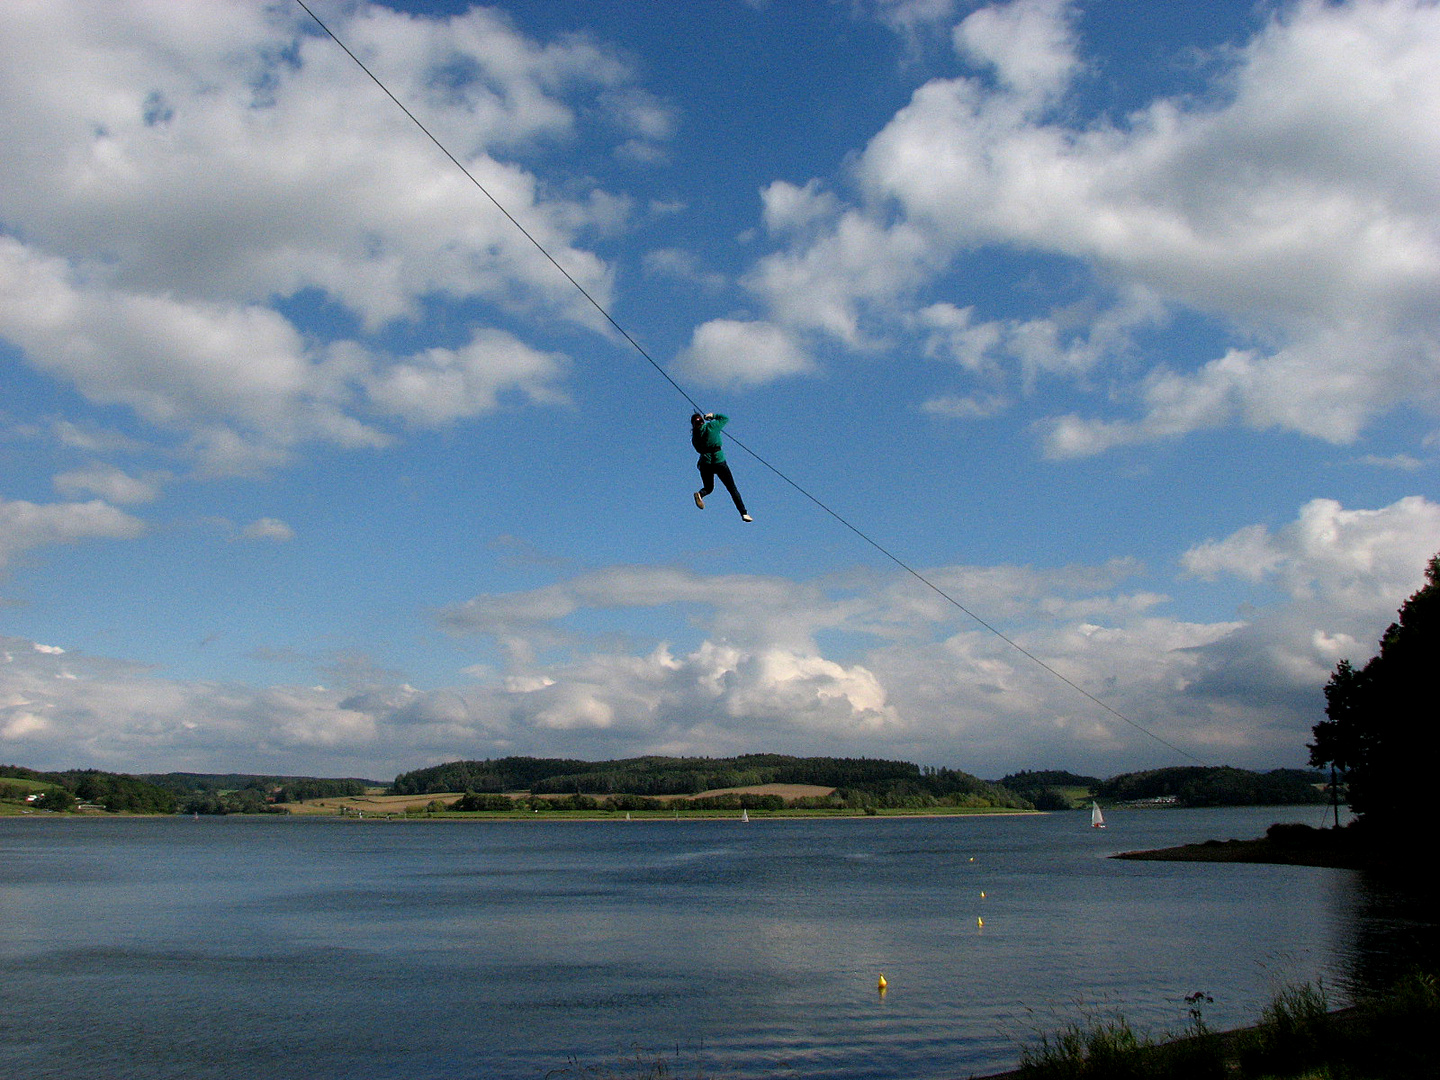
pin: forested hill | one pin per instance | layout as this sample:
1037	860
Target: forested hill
653	776
1197	785
115	792
277	788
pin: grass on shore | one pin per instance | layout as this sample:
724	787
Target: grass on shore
1388	1036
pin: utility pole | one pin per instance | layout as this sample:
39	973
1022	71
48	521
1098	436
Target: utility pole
1334	795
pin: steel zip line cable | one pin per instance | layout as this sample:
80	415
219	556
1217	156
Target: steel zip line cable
683	393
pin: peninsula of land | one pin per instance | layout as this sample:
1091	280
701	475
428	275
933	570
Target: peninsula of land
1288	845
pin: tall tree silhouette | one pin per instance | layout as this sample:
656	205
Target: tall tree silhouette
1382	726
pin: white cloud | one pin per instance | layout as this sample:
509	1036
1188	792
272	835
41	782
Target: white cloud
731	352
1353	559
174	169
27	525
682	266
200	366
110	483
915	679
1399	462
182	146
971	407
921	679
440	386
787	208
268	529
953	334
1029	43
1294	202
853	267
1342	575
110	714
921	686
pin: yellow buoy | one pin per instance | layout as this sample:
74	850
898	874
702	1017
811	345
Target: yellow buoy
982	894
883	984
979	924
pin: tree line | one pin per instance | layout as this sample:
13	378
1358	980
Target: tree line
248	793
882	782
281	789
118	793
169	793
858	783
1215	785
1380	733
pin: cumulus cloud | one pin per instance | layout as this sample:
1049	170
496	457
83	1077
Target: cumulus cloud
934	684
27	525
60	707
916	677
788	208
160	194
733	352
1342	575
1029	44
440	386
1293	201
927	680
111	484
1350	559
955	334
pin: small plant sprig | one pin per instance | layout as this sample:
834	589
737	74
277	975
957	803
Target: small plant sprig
1197	1002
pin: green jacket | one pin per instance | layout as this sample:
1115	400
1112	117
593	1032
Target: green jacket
705	437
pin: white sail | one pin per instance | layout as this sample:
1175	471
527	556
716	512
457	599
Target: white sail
1097	819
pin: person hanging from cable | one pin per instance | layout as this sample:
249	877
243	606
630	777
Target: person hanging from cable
705	437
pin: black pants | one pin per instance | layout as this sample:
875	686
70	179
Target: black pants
708	473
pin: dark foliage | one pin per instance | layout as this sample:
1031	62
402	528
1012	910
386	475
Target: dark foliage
502	774
471	801
298	790
56	799
1381	729
1035	779
1041	787
1201	785
246	800
279	788
115	792
873	781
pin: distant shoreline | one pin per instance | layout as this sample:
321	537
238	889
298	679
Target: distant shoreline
598	816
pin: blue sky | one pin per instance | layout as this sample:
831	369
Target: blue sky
1117	323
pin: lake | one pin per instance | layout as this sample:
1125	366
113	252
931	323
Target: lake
442	950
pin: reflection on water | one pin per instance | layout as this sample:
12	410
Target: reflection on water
1392	929
322	948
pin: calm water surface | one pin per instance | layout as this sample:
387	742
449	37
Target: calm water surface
320	948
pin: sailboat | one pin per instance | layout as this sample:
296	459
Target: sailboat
1097	819
744	815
